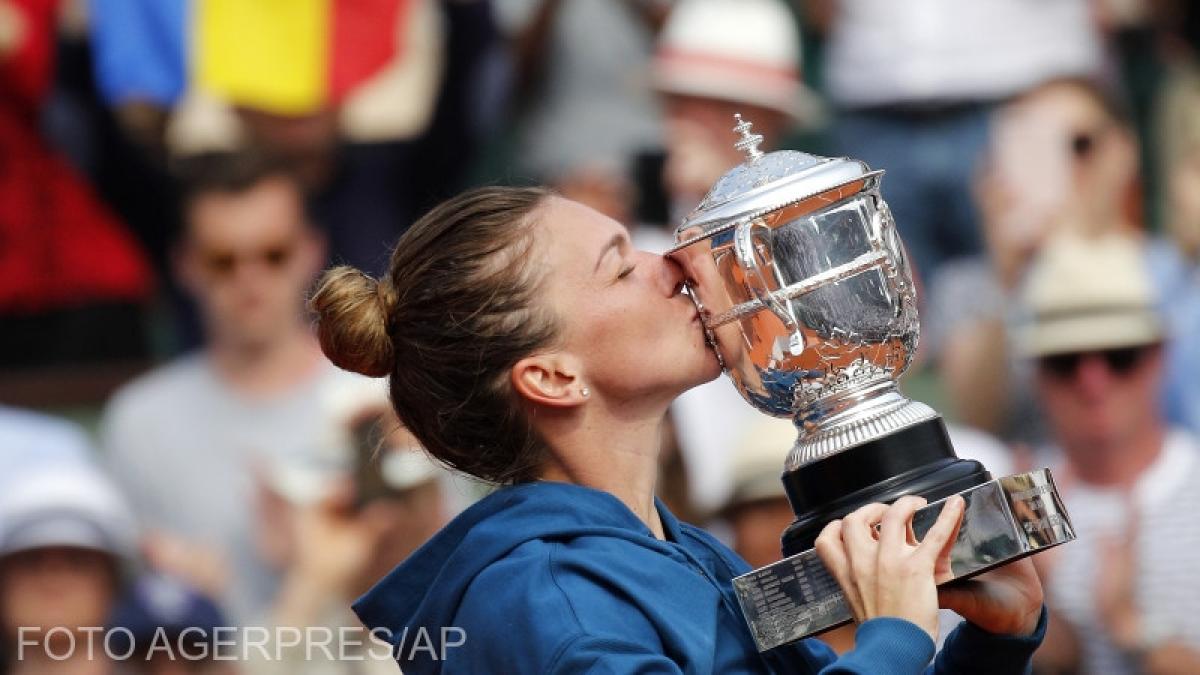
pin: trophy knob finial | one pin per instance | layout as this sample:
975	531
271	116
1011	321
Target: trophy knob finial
748	143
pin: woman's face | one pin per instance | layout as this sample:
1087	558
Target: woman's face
621	312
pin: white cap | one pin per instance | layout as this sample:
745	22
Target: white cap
71	505
1088	293
745	51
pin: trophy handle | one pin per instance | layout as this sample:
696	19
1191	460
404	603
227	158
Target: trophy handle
755	255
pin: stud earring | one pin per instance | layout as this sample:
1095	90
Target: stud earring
585	392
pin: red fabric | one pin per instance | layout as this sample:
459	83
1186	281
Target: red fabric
25	73
59	246
366	36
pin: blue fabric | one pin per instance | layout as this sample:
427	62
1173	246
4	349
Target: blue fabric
557	578
140	49
930	162
1177	282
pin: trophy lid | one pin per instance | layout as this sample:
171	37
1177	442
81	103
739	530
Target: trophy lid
764	183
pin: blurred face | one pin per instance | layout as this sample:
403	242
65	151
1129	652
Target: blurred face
621	312
715	117
1098	402
59	586
1100	155
249	260
700	138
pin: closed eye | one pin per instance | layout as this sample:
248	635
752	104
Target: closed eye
627	271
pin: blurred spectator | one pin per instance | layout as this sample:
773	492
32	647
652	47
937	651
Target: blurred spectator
185	438
67	544
1126	590
29	439
716	58
582	101
73	283
1176	260
1061	157
163	627
915	83
757	509
347	529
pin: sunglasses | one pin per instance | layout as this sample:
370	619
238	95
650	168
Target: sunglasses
223	264
1082	145
1120	362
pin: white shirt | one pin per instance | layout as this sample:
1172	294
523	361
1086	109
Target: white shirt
186	449
1168	553
884	52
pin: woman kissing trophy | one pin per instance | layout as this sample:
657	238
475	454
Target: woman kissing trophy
796	266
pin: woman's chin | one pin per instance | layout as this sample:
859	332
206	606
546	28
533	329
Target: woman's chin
710	369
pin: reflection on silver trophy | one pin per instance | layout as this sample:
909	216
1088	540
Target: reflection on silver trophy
808	300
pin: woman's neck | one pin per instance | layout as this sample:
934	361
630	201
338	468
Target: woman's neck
616	454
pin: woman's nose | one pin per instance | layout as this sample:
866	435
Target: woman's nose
673	274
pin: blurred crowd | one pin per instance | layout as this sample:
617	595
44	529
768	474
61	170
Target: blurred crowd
175	173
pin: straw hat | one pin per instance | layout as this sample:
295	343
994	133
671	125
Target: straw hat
745	51
758	462
1088	293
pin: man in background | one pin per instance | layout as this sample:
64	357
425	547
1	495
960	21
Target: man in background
1125	592
915	83
189	439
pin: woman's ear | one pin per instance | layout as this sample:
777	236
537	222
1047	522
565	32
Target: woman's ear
549	379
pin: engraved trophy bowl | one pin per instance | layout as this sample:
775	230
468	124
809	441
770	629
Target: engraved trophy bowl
807	298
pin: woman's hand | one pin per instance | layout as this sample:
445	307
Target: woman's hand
883	571
1004	601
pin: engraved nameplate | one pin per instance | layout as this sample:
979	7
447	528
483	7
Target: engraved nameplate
1004	519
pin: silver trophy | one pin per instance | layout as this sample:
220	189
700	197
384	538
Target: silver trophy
807	298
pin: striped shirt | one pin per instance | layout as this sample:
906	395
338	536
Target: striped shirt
1167	541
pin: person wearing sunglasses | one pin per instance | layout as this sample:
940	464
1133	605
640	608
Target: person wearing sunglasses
252	397
1125	593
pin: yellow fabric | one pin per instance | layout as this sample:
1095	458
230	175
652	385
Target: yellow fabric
272	55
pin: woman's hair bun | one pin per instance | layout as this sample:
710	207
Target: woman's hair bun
353	314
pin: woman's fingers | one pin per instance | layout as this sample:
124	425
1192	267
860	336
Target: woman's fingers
832	552
894	528
862	548
858	528
945	527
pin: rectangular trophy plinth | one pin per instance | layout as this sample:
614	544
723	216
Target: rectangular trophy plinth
1004	519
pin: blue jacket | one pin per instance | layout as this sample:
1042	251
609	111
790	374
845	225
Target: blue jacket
557	578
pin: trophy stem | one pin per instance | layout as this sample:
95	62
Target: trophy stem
915	460
851	418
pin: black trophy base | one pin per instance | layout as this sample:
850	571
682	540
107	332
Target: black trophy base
916	460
